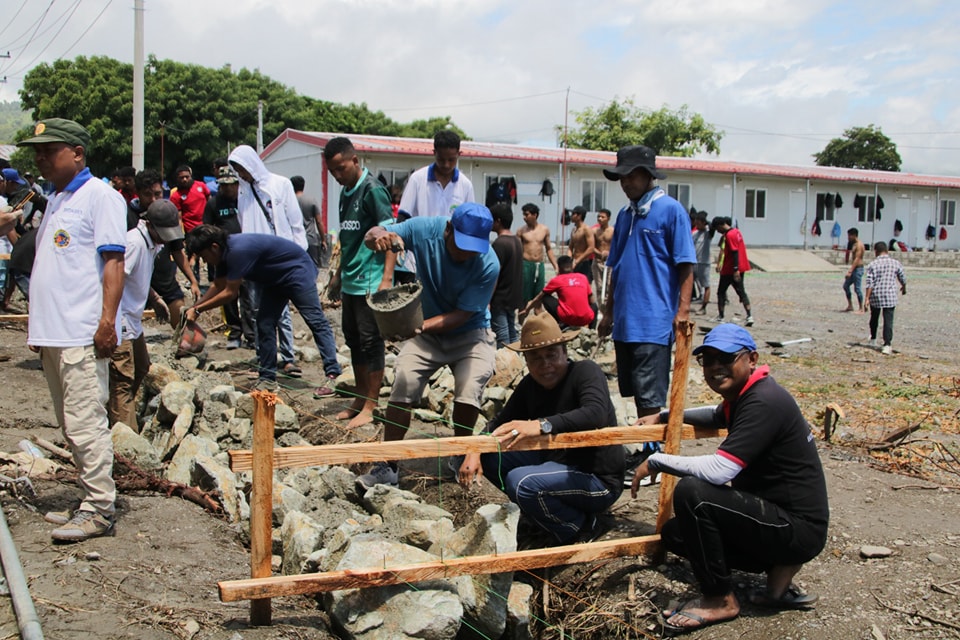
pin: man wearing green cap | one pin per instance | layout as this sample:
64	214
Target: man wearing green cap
75	291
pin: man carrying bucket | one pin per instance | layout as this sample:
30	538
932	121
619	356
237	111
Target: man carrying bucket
458	273
364	203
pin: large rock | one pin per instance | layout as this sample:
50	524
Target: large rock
402	511
493	530
377	497
179	430
225	393
130	445
284	419
158	377
210	475
508	366
301	537
431	611
423	534
175	396
181	468
286	500
518	613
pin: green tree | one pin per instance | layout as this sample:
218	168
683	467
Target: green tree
861	148
667	132
192	114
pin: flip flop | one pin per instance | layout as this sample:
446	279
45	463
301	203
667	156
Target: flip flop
792	598
675	630
292	370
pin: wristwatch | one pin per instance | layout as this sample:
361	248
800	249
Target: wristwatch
545	426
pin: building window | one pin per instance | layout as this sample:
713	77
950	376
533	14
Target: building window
680	193
826	206
593	194
866	209
391	177
948	213
756	204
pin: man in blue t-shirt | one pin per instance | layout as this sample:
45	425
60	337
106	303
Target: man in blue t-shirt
458	273
651	261
286	273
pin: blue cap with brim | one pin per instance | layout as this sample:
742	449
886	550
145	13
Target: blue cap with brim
472	224
728	338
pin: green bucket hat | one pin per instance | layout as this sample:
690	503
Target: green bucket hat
58	130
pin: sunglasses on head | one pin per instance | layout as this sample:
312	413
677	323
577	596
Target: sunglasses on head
709	359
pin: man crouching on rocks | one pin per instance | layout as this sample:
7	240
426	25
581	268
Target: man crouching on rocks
773	515
563	491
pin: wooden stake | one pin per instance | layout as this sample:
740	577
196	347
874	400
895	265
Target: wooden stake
276	586
315	456
261	500
678	392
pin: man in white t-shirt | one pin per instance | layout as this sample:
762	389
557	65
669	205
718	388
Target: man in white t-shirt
434	190
158	225
75	290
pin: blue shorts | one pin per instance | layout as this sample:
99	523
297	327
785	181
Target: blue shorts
643	372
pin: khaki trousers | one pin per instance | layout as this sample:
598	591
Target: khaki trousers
128	367
79	390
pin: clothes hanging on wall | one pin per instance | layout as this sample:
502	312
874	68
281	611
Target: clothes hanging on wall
546	190
931	232
838	200
897	227
858	201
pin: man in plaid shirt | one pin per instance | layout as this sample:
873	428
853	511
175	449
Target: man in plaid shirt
882	277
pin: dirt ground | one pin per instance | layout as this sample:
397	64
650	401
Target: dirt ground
157	578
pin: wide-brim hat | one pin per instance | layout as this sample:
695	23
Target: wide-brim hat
727	337
539	331
635	157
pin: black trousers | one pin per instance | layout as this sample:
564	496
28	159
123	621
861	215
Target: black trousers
887	323
719	529
725	283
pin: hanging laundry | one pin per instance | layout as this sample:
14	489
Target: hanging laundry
829	201
839	200
858	202
897	228
943	233
837	231
931	232
815	229
546	190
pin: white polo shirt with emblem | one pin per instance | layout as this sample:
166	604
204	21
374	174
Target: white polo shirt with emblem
138	267
84	220
424	196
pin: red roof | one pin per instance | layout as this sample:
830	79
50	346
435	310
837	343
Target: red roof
586	157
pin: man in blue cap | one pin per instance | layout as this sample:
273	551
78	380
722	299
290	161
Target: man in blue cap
772	517
458	273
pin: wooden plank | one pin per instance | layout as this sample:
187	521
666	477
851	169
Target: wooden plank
276	586
23	317
261	500
314	456
678	393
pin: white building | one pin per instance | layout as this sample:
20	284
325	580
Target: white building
774	205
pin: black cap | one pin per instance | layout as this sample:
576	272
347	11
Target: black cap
634	157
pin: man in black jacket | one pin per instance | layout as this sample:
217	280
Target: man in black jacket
561	490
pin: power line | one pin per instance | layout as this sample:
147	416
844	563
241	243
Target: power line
87	30
33	35
13	19
66	21
474	104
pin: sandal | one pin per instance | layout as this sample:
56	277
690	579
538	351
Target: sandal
292	370
675	629
792	598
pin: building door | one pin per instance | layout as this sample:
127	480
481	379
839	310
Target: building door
903	214
797	226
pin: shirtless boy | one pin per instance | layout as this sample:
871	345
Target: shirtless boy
536	240
582	243
602	236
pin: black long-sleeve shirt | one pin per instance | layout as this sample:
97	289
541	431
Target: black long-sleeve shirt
581	402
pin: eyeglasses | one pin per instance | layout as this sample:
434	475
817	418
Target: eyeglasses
710	359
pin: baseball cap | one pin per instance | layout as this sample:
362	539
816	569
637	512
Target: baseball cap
472	223
58	130
634	157
728	338
12	175
227	175
165	220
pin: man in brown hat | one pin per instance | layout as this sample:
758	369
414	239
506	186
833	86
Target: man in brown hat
75	290
563	491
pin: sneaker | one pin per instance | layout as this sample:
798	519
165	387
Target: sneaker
596	527
887	350
380	473
718	319
749	321
872	342
326	390
233	343
266	385
82	526
58	517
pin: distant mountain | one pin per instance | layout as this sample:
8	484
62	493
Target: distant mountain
12	119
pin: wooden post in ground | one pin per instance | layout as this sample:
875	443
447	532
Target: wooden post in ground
678	392
261	500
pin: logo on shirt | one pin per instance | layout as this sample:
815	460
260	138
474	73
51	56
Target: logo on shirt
350	225
61	238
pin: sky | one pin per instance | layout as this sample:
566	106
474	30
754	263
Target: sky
780	78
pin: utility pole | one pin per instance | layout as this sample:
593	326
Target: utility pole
137	159
259	126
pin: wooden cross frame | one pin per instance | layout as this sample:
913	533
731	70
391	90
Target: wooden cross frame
263	459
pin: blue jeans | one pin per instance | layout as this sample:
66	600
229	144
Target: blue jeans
504	324
560	499
273	304
255	292
854	279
